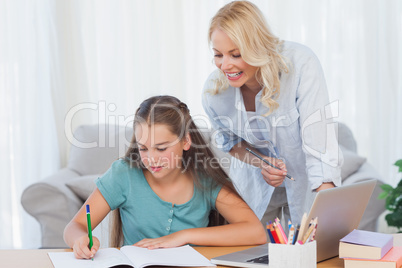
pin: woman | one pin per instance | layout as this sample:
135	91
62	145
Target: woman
270	95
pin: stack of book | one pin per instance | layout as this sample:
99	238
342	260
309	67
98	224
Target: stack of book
369	249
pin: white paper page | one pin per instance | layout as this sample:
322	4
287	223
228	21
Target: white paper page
104	258
180	256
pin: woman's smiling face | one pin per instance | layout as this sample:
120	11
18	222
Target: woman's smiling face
228	59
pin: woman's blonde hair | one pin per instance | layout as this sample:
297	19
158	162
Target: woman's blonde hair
245	25
200	161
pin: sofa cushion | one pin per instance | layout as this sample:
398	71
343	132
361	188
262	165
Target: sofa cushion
351	162
95	147
83	186
345	137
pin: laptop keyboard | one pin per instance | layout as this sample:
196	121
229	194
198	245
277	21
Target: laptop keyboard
262	259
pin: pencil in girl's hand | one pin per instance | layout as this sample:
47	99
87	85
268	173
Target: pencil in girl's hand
268	163
89	228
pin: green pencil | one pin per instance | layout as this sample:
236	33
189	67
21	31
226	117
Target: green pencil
89	229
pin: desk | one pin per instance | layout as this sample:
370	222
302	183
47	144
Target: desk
39	259
211	252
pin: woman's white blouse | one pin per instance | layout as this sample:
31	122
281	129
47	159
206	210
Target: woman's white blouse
301	132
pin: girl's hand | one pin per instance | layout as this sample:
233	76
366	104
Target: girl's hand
81	247
273	176
169	241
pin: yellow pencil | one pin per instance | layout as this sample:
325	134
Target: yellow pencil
309	231
312	237
302	227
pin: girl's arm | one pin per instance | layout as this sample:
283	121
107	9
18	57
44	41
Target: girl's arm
76	233
244	228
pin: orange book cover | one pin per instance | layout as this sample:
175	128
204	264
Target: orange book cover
392	259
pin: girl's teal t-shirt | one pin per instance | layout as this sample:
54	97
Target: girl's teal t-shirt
143	213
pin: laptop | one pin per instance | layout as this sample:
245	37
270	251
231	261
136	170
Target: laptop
339	211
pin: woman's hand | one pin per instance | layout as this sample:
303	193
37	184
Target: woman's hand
325	185
81	247
169	241
273	176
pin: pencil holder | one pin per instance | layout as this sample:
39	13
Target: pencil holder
295	256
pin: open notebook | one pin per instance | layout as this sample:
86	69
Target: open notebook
339	211
131	256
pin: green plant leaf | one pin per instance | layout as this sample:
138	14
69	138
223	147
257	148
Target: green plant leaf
389	219
398	204
399	164
386	187
393	201
398	219
394	219
382	195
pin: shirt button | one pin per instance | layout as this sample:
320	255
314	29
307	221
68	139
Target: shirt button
167	228
169	220
171	211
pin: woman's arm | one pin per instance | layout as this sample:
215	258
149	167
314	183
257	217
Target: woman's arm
76	233
272	176
325	185
317	125
244	228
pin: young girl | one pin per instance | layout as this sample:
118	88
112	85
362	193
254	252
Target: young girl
165	188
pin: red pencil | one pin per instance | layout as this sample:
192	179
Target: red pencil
274	234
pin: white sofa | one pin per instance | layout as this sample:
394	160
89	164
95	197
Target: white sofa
54	200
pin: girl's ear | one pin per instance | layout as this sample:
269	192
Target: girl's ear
187	142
